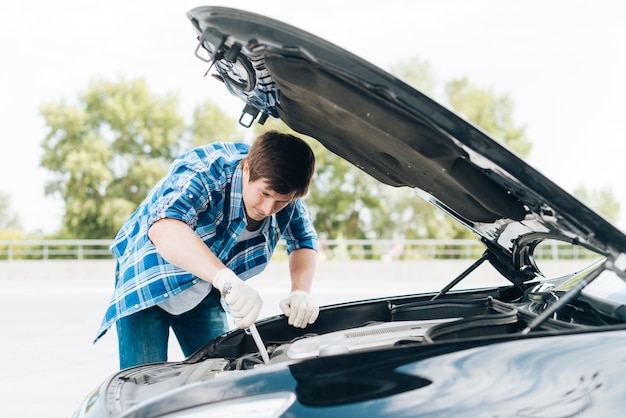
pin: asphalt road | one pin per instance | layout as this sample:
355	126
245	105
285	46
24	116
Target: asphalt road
50	311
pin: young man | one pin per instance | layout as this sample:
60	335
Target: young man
215	218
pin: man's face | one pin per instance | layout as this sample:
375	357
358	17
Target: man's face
259	200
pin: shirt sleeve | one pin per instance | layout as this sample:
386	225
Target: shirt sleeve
300	232
188	188
182	196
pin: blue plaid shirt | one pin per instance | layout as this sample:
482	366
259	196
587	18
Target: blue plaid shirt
203	189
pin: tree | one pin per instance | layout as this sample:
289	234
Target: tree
343	199
9	220
211	124
602	200
493	113
109	149
417	73
106	151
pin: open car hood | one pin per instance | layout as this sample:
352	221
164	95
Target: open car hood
396	134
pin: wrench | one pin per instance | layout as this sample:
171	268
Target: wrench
251	330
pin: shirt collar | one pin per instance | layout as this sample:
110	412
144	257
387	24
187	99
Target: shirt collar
236	196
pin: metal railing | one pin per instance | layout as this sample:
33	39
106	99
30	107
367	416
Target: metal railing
55	249
335	249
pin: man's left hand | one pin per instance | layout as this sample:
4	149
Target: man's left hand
300	308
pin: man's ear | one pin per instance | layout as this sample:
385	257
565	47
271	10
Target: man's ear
246	169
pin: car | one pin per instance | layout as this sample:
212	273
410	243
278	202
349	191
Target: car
538	345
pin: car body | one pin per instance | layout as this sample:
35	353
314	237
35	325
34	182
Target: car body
535	347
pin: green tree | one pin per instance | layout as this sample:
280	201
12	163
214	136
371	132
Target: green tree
343	199
106	151
493	113
417	73
10	226
211	124
110	148
602	200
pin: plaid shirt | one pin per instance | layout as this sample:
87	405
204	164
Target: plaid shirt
203	189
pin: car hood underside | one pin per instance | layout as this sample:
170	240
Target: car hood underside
397	135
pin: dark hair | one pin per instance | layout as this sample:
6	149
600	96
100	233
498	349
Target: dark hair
284	160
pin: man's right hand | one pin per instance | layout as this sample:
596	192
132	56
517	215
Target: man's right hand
244	301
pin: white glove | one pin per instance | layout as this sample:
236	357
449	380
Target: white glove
300	308
244	301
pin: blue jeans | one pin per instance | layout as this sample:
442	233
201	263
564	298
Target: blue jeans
143	336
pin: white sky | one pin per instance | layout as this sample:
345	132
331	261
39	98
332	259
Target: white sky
562	61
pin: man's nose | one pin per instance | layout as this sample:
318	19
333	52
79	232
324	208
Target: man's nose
268	206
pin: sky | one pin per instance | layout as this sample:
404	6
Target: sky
563	63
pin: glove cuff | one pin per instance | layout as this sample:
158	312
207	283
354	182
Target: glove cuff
298	292
224	276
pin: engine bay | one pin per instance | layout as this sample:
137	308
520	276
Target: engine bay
421	322
389	323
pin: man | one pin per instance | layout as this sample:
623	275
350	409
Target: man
215	218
